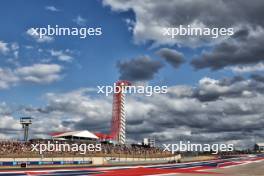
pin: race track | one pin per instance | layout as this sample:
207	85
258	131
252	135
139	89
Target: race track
246	166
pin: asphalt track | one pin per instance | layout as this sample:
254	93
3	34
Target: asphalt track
246	166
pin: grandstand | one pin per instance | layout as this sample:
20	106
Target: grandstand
18	149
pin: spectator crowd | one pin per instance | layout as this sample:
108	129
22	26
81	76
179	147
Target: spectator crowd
15	148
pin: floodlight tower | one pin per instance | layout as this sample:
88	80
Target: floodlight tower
118	125
25	122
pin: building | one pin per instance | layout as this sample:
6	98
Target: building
259	147
149	142
83	135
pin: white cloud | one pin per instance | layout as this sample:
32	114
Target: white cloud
181	90
210	85
52	8
43	39
61	55
4	109
7	78
4	47
9	122
37	73
80	20
247	69
9	49
15	48
9	125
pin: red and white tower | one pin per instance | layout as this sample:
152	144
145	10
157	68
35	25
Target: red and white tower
118	126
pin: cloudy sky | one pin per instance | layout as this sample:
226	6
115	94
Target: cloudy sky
216	86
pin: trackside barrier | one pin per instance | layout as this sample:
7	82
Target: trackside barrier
18	163
84	160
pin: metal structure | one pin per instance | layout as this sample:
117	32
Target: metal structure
149	142
118	125
25	122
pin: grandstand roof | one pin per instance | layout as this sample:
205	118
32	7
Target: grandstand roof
81	134
260	144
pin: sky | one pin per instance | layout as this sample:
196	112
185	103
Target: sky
215	85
